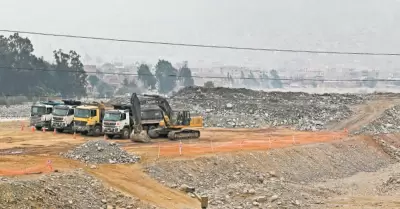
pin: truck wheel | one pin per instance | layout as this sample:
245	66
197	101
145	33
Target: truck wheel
60	130
153	134
97	131
150	128
125	133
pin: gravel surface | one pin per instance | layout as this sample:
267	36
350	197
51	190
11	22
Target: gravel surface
15	111
280	178
62	190
391	185
388	122
100	152
224	107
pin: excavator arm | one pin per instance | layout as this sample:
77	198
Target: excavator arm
160	102
137	135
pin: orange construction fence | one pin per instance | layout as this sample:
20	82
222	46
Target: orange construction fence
190	148
45	168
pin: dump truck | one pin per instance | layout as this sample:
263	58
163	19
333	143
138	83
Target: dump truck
41	114
88	119
63	115
119	121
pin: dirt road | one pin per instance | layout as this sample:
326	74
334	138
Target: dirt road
24	151
364	114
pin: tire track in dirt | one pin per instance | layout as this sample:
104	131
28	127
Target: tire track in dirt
133	181
364	114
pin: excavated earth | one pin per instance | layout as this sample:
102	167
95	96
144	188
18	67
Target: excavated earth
282	178
358	171
74	189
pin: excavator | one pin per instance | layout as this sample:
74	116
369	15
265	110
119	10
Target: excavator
176	124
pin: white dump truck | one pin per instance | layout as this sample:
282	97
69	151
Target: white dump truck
119	121
63	115
41	114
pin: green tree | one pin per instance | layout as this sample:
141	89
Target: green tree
145	75
17	60
243	78
251	80
185	75
264	80
93	80
166	76
24	73
70	73
370	82
276	81
105	89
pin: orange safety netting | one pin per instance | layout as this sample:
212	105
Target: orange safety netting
46	168
185	148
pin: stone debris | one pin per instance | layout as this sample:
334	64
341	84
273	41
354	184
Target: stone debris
230	108
281	178
100	152
62	190
15	111
390	185
388	122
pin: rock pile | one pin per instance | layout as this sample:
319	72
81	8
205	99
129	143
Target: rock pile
388	122
15	111
225	107
281	178
100	152
392	184
62	190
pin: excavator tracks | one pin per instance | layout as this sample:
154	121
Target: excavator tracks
183	134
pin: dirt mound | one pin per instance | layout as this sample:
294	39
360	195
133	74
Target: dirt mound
391	185
282	177
68	190
225	107
100	152
388	122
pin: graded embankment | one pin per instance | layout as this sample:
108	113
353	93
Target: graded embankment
282	177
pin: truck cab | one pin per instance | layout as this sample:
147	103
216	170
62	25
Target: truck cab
63	115
88	119
117	122
41	114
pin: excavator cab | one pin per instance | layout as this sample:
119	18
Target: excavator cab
182	118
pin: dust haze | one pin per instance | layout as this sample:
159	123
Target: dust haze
366	25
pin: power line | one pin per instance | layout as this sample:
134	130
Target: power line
202	45
195	76
117	99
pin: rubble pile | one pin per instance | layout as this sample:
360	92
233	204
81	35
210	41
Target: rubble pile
392	184
62	190
388	122
281	178
15	111
100	152
225	107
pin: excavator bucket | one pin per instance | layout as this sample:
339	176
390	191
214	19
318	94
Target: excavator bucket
138	134
140	137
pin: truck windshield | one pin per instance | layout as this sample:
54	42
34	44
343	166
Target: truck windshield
82	113
60	111
38	110
112	116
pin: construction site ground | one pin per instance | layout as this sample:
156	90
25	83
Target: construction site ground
294	155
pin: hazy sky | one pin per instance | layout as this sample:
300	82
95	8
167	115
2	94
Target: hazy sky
345	25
